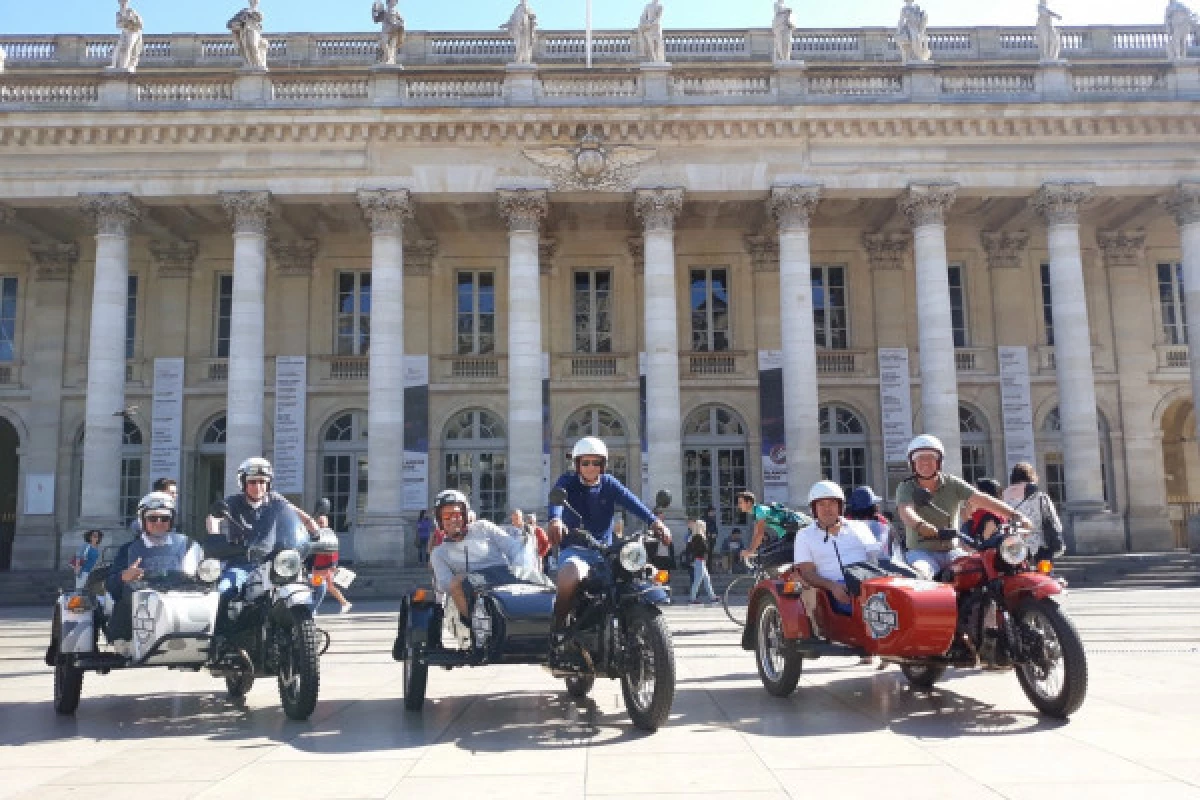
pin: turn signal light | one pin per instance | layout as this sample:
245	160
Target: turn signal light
793	588
662	576
1045	567
317	580
420	596
76	603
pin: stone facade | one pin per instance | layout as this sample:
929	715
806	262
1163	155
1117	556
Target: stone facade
668	215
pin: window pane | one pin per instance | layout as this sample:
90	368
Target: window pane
1047	305
8	318
958	308
131	315
224	314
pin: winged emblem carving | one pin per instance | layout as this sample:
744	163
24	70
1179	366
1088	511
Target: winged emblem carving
590	165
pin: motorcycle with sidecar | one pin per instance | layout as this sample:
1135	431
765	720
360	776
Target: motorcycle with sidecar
615	630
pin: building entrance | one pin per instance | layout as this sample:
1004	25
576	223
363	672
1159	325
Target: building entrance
9	469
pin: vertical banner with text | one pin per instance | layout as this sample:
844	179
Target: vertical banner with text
546	433
291	404
645	436
166	426
770	412
895	400
1016	405
416	432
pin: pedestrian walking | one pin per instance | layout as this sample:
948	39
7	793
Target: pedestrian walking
327	575
697	549
86	557
1023	493
711	530
424	531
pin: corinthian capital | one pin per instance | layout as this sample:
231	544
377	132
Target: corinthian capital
249	211
386	210
793	205
113	213
1059	203
658	208
1184	203
926	203
54	261
523	209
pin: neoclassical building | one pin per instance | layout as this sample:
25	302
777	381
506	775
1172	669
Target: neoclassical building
393	278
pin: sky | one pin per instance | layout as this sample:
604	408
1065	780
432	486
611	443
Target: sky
287	16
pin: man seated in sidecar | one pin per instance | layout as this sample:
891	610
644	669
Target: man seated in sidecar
157	552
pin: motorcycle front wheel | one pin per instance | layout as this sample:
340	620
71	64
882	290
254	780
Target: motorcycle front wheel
648	679
778	668
68	686
1055	680
300	666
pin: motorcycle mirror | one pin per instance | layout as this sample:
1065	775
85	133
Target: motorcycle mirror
219	508
324	506
558	496
1030	490
922	497
662	499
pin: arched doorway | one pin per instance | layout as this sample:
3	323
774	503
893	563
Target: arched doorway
843	447
344	469
9	470
714	462
210	470
475	461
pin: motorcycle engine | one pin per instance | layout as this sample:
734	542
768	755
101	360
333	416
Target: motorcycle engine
481	624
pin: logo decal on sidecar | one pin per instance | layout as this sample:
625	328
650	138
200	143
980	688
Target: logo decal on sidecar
144	618
881	620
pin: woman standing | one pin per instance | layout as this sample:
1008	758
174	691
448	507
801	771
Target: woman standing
697	549
424	532
86	557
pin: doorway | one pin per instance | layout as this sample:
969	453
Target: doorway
9	470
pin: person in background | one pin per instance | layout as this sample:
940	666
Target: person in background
86	557
327	586
424	531
733	548
697	550
541	539
711	529
1039	507
863	506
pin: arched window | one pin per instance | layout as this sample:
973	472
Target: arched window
1050	449
843	447
714	462
344	468
603	424
976	445
209	469
475	461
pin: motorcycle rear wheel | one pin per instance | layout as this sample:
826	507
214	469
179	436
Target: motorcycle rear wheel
923	676
778	668
68	686
300	667
1057	687
578	686
416	678
648	680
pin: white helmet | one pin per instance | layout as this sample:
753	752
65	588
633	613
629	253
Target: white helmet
451	497
255	468
927	441
156	501
589	446
825	490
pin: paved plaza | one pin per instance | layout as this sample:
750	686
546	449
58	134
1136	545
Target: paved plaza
512	731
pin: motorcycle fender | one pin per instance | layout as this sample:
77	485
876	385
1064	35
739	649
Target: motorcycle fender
77	629
295	594
1017	588
421	619
652	596
792	612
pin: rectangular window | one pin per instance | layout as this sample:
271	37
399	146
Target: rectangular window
131	297
829	307
1171	301
593	311
710	310
476	315
353	313
131	487
224	315
8	319
958	305
1047	305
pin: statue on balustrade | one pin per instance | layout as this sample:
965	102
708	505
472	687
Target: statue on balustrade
391	35
521	26
650	35
246	27
782	27
1181	24
911	37
128	51
3	56
1048	38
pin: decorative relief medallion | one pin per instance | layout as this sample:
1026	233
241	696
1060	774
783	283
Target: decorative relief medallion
591	166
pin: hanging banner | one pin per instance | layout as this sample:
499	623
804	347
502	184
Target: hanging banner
166	426
546	476
895	395
291	395
645	435
774	438
416	432
1017	408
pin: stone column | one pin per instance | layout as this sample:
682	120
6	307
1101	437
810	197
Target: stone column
523	210
658	209
250	212
380	537
925	206
104	423
1184	204
792	206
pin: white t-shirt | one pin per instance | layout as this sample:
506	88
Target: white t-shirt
854	542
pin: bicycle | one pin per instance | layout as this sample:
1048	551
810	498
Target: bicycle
737	593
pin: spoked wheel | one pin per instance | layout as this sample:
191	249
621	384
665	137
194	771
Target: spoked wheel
416	676
648	680
239	685
1055	678
737	597
300	666
580	685
68	686
778	668
923	676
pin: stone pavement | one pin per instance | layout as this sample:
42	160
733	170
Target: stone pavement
512	731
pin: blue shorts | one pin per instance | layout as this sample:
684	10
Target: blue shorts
585	559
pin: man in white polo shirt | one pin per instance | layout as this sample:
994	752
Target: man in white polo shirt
830	542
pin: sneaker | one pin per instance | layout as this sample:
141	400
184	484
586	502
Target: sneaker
346	608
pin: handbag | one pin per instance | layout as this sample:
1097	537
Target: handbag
1051	527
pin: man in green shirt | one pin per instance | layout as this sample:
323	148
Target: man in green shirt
770	522
951	496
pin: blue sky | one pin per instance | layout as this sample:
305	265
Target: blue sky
206	16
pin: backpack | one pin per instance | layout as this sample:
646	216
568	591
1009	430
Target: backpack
1051	527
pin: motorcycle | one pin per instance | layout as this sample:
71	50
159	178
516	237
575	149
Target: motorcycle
179	622
992	608
615	630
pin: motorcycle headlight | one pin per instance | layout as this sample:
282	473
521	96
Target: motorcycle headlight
1013	550
209	570
287	564
633	556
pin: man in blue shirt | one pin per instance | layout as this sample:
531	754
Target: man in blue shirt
595	495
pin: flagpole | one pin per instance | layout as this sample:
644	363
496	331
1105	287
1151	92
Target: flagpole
588	36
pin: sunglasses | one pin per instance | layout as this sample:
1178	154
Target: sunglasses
157	518
259	481
591	462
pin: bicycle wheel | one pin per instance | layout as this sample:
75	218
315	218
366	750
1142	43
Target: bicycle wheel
736	596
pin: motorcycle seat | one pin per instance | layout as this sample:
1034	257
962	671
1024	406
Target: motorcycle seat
519	601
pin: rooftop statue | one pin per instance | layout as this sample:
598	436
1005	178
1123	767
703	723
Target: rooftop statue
1181	23
1048	38
3	56
521	26
911	37
650	35
128	51
782	27
391	35
246	27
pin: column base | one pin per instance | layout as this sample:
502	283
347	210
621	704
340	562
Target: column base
1091	533
1150	531
381	539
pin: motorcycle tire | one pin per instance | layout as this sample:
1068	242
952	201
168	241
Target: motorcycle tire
299	675
1059	635
238	686
648	677
416	678
778	668
578	686
68	686
923	676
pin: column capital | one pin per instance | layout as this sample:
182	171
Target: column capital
523	209
547	250
54	261
1184	202
250	212
792	205
926	203
1122	248
887	250
1059	203
763	250
294	257
418	257
386	210
113	213
658	208
174	259
637	251
1004	248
